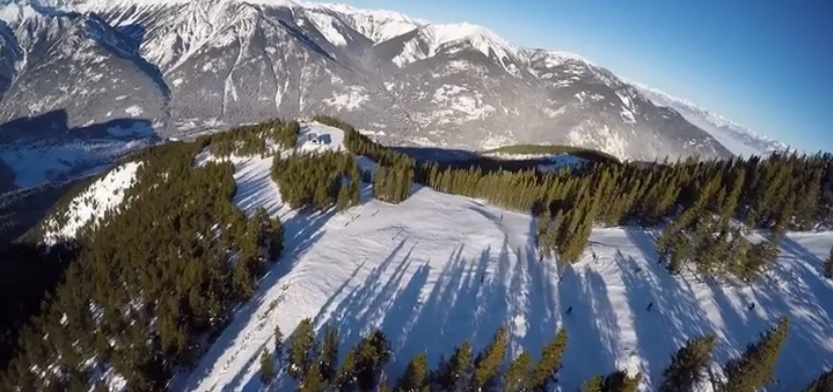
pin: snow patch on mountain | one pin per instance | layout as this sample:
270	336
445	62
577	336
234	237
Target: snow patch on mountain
589	133
326	24
352	99
432	39
89	207
557	58
14	11
134	111
377	25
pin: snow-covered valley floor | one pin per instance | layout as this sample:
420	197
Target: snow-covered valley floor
438	269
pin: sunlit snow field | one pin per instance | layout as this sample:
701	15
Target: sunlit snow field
415	270
438	269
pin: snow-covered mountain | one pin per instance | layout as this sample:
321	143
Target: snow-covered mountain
186	66
736	138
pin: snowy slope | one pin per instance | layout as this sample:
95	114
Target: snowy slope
315	136
90	206
429	40
378	25
437	269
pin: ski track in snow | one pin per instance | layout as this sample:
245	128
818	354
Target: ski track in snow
415	269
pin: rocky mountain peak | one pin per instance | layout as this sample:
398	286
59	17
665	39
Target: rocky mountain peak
194	66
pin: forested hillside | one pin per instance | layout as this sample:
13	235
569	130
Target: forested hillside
152	282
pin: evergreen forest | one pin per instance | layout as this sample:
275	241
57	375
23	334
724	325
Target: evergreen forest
145	290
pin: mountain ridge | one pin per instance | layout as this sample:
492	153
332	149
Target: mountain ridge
752	143
217	63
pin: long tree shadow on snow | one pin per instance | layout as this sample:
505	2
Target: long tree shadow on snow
800	293
434	324
678	316
793	289
591	326
306	229
470	299
302	229
674	317
359	299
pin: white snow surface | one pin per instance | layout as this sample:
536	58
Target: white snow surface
326	24
378	25
438	269
90	206
434	38
315	136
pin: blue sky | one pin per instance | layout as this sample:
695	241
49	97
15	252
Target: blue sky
766	64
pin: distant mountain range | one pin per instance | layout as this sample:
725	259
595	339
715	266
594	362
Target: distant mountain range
736	138
176	67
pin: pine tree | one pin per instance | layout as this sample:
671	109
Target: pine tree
370	356
487	364
453	373
302	349
593	384
687	366
346	378
828	265
242	277
415	378
343	199
314	381
354	192
620	381
754	369
517	374
545	372
821	384
267	367
274	240
329	353
380	183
